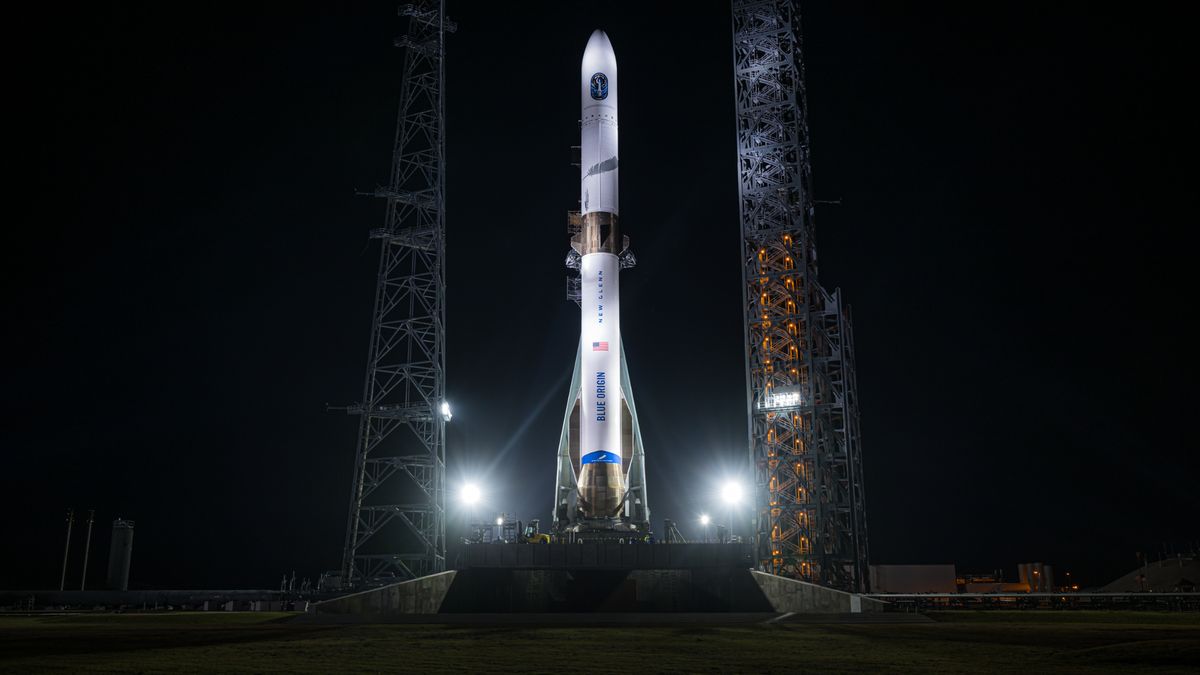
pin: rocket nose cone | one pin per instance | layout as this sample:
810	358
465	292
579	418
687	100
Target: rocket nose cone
599	40
599	57
598	46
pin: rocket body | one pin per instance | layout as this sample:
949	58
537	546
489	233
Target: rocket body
601	480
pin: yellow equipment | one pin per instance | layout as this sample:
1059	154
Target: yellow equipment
533	536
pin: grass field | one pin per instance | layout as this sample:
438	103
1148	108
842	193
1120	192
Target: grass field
1026	642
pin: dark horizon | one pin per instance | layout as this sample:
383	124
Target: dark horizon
190	280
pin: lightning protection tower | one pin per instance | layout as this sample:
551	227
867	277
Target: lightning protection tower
396	525
809	520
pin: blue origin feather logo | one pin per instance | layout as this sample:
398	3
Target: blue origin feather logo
601	457
599	86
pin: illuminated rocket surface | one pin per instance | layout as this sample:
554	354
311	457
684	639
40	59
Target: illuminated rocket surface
601	480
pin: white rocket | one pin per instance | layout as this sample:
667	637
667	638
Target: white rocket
600	484
601	479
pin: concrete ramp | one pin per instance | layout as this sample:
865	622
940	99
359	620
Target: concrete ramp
423	595
798	597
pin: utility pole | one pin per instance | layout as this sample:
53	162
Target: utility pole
87	548
62	582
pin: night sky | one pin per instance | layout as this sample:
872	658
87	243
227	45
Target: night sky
189	280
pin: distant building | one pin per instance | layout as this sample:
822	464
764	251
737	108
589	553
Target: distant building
1033	577
120	553
1037	577
913	579
1172	575
994	587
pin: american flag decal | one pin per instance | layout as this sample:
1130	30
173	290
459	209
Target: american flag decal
599	346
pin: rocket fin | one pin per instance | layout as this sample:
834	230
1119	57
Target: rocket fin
637	502
566	484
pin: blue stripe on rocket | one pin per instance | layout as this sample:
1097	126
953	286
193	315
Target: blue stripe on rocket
601	457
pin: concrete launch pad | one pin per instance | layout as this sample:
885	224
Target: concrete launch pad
631	578
602	556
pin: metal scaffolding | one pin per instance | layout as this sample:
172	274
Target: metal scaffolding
802	402
396	525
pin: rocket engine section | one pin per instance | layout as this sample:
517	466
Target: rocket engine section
601	479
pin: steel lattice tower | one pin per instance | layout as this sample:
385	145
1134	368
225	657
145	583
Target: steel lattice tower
810	520
403	480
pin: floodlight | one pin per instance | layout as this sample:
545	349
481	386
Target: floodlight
731	492
470	494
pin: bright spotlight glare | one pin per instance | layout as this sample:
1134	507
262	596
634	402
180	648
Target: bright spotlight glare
470	494
705	520
446	411
499	521
731	492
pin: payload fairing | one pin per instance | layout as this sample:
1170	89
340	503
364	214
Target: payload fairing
610	484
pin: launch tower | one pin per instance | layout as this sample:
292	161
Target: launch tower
400	532
802	400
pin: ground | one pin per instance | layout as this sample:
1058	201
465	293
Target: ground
1026	642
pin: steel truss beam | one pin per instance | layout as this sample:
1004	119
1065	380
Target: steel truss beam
400	459
809	520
